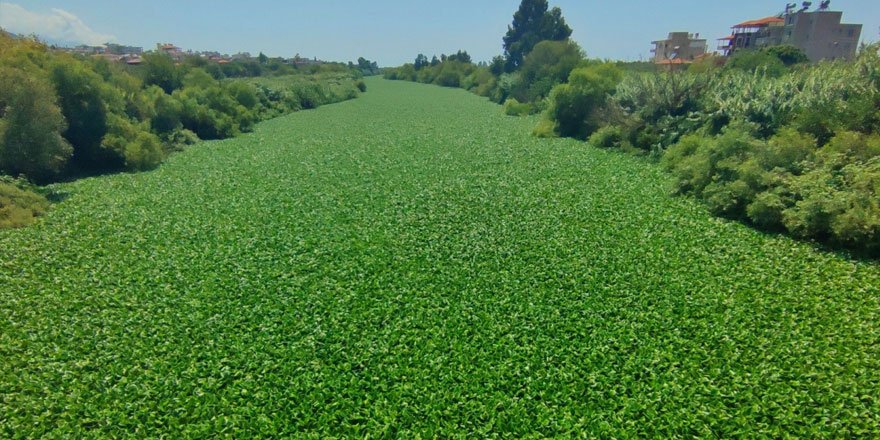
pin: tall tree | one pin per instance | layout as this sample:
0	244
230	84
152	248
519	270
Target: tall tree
532	24
421	61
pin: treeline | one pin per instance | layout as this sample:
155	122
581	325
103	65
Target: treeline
64	116
538	55
762	137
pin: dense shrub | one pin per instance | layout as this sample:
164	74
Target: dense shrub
789	55
30	126
787	182
607	137
140	149
573	105
19	206
550	63
512	107
166	111
159	70
65	114
756	61
85	101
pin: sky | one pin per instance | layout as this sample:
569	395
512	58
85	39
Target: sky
391	32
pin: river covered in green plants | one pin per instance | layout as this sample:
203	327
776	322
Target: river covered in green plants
415	263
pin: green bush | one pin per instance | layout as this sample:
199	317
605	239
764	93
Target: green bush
755	61
158	69
548	64
789	55
361	85
512	107
85	101
19	207
30	127
573	105
140	149
244	93
607	137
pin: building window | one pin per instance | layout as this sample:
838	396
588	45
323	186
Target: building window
850	33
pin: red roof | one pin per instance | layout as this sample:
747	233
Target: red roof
727	38
759	23
674	61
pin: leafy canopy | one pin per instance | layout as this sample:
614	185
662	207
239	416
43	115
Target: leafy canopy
532	23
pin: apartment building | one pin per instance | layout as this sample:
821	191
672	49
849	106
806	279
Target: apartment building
682	46
821	34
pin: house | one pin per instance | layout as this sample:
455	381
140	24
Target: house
171	50
820	33
683	47
753	34
118	49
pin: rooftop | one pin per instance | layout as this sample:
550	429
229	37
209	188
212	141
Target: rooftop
762	22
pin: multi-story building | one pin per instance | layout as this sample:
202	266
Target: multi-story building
118	49
820	33
682	46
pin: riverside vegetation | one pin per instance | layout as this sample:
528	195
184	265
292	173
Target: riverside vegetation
766	139
63	116
415	263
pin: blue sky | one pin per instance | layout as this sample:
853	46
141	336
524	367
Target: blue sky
389	31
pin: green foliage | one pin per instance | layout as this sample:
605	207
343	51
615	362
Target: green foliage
788	54
63	116
787	182
413	265
512	107
166	111
85	100
30	126
140	149
532	24
756	61
573	106
361	85
19	206
158	69
547	65
607	137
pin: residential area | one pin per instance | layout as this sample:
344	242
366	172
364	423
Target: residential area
132	54
820	33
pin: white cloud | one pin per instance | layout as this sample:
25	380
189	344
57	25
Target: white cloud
57	24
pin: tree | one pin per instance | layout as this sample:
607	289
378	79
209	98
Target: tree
85	100
30	126
532	23
756	61
367	67
421	61
159	70
788	54
547	65
462	56
263	58
435	61
497	65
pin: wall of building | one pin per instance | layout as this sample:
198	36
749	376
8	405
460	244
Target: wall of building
689	47
821	35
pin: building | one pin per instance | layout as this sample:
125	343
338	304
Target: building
753	34
171	50
681	46
118	49
820	33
